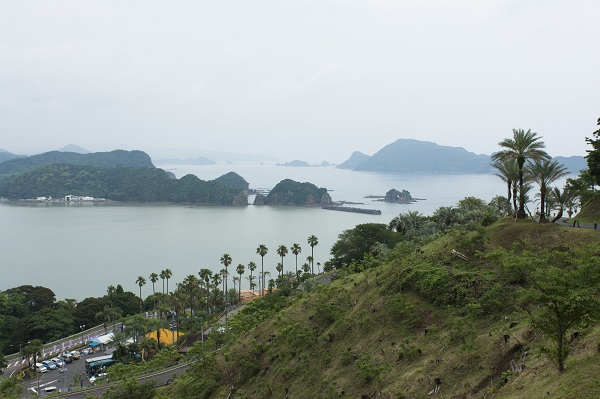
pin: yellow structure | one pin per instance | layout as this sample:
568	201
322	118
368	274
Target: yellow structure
167	337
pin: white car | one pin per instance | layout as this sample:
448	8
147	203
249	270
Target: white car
40	368
97	377
58	362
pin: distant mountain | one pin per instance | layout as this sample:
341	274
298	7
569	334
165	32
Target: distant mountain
234	181
217	156
414	156
292	193
99	159
574	163
188	161
73	148
5	155
355	159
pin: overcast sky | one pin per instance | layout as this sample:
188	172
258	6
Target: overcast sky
311	80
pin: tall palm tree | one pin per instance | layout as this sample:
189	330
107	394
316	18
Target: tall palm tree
279	269
312	241
226	261
282	251
296	249
178	303
523	146
240	270
216	281
141	281
262	251
168	275
111	291
508	172
153	279
190	283
252	267
544	173
163	275
205	275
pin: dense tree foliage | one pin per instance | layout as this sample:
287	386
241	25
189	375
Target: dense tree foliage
593	157
119	184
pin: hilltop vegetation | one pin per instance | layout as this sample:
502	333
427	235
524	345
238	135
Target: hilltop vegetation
292	193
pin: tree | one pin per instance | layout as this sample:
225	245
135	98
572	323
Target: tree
523	146
564	199
312	241
11	387
282	251
190	283
226	261
565	285
296	249
168	275
353	244
140	281
508	172
252	267
240	270
593	156
153	279
162	275
544	173
262	251
34	349
107	315
205	275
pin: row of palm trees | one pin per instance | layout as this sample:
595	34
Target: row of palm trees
523	160
207	276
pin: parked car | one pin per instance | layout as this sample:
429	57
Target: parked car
40	368
87	351
76	355
97	377
50	365
49	390
58	362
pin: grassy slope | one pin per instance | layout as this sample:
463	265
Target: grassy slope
590	212
365	337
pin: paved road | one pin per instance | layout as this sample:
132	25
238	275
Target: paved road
569	223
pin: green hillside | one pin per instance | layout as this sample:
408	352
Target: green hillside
463	311
99	159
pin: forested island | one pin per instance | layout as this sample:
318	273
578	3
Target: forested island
292	193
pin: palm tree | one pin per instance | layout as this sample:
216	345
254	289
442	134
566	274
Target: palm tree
34	349
168	275
226	261
544	173
508	172
107	315
178	303
279	269
523	146
190	283
251	280
205	275
240	270
312	241
163	275
153	279
216	281
262	251
296	250
111	291
282	251
141	281
563	199
138	325
252	267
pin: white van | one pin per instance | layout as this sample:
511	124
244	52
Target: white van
49	390
40	368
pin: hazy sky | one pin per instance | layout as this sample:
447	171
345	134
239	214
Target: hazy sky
311	80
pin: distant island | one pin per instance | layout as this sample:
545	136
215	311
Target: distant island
394	196
117	176
292	193
188	161
415	156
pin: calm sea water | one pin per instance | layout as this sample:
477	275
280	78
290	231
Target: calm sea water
77	251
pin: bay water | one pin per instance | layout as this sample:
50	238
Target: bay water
79	250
